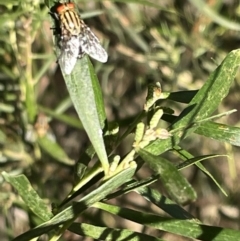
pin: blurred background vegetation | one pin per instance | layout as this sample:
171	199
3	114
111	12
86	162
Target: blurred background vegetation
178	43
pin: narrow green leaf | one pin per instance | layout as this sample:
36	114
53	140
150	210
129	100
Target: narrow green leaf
164	203
220	132
189	160
141	187
184	228
214	16
54	150
77	208
174	182
182	96
87	99
29	195
204	103
103	233
71	121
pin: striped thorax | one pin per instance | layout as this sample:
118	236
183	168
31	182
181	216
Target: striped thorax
70	22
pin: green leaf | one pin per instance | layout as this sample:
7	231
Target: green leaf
175	184
182	96
214	16
184	228
220	132
77	208
29	195
204	103
164	203
189	160
103	233
141	187
54	150
85	92
69	120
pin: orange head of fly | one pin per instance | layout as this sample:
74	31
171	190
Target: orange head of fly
61	8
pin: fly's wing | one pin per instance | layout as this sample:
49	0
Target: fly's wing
90	44
69	50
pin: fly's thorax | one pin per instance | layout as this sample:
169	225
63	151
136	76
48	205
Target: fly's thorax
69	18
70	21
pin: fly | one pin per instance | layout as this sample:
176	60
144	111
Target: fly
74	37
